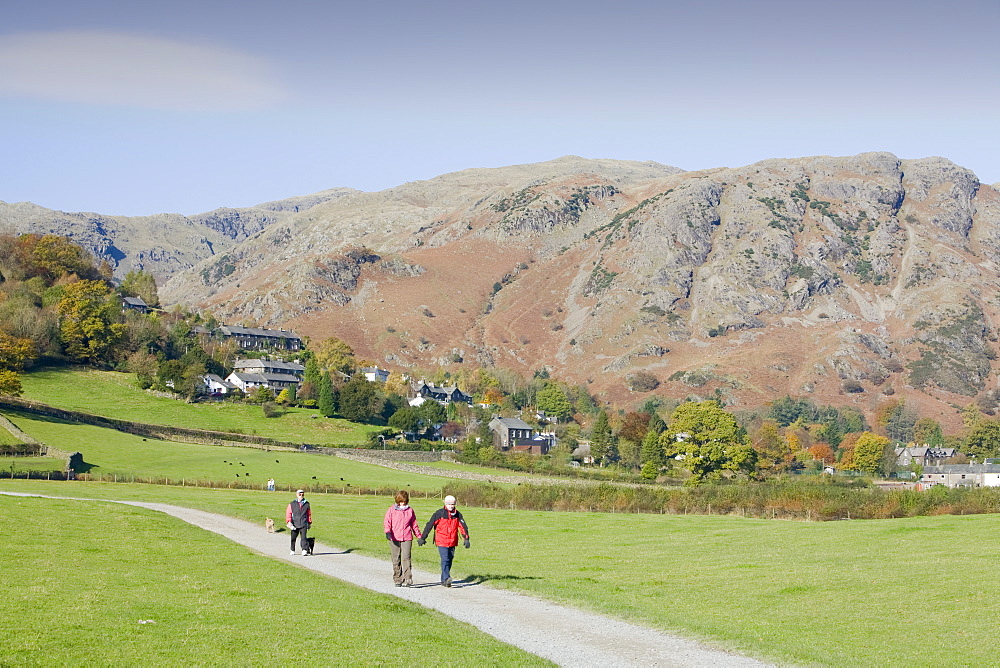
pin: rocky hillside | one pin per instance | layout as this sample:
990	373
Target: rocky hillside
848	280
162	244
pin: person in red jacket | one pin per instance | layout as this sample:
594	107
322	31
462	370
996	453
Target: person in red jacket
447	523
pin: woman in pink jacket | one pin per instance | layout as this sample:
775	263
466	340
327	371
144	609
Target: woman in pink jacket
400	529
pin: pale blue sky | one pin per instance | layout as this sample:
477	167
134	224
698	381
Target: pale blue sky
134	107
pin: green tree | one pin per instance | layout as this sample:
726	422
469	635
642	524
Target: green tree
140	284
927	431
10	383
972	417
629	452
983	441
261	395
405	419
15	351
786	410
431	413
335	355
708	441
871	453
58	256
552	400
773	452
326	402
651	452
359	400
87	321
649	471
898	420
192	383
600	440
656	424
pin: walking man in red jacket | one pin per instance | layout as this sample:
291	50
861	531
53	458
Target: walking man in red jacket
447	523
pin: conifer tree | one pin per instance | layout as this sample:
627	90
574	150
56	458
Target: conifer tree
326	402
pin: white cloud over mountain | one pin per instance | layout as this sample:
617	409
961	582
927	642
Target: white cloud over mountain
135	71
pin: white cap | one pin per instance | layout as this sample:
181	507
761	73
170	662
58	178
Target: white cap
300	491
449	499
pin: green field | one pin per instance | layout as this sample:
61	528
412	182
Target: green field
109	452
7	438
116	395
831	593
877	592
31	464
98	584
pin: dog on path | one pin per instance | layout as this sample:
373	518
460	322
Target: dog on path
269	525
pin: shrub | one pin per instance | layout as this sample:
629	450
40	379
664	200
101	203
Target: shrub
643	381
852	386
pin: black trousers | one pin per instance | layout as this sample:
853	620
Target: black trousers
304	542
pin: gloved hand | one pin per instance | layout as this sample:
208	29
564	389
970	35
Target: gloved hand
421	541
388	535
467	544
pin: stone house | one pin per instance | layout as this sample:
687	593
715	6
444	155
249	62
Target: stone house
516	435
961	475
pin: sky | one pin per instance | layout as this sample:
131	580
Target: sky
136	107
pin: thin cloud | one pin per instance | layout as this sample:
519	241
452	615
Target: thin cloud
135	71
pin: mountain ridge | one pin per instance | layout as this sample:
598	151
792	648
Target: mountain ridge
849	280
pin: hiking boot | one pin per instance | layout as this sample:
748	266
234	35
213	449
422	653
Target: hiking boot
447	582
399	584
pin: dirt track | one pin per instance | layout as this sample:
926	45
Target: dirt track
566	636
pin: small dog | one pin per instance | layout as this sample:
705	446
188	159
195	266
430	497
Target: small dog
269	525
312	543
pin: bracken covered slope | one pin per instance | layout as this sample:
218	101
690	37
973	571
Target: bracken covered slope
848	280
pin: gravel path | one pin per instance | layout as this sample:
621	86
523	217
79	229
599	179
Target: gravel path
566	636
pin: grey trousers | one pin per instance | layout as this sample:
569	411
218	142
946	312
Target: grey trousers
401	550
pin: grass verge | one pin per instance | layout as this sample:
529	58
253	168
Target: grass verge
135	587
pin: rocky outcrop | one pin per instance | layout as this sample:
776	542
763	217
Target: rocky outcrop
161	244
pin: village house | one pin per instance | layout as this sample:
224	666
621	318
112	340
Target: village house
443	395
216	386
923	455
252	338
277	375
516	435
246	382
375	374
961	475
135	304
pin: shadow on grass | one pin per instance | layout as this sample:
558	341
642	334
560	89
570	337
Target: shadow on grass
475	579
38	417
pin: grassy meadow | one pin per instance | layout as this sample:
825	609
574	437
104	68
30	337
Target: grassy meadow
118	585
911	591
894	592
110	452
32	464
116	395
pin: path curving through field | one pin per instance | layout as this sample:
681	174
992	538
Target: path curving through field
564	635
